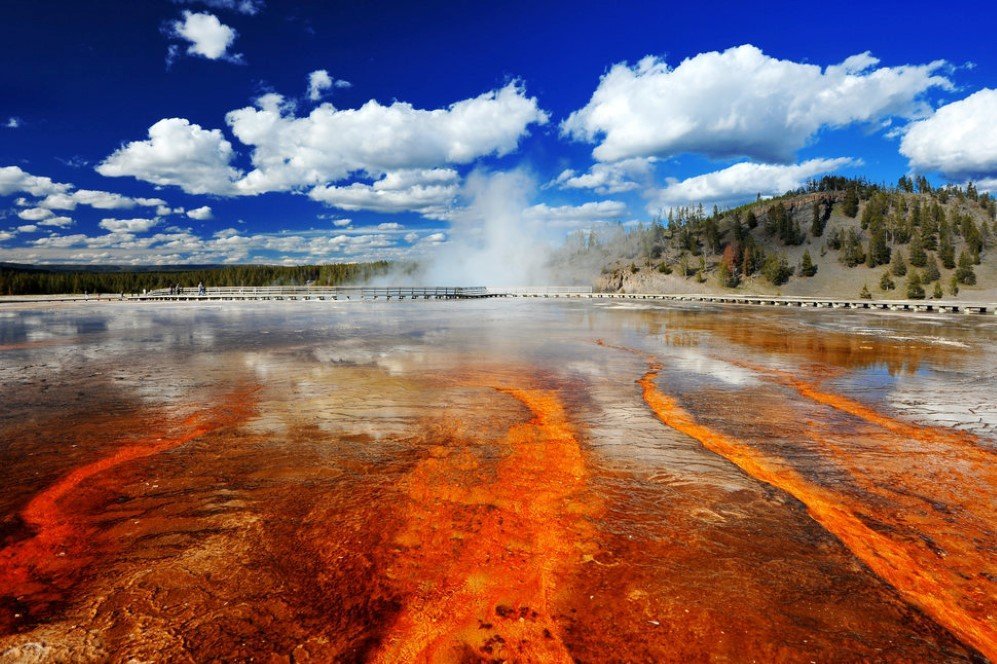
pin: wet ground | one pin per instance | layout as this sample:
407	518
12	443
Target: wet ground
495	481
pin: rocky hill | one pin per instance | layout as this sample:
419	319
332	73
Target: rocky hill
837	237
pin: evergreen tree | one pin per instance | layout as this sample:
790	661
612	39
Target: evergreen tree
885	282
751	219
918	258
850	207
816	220
931	272
864	293
937	294
946	251
851	250
807	267
776	269
915	291
898	266
879	251
726	276
953	286
964	273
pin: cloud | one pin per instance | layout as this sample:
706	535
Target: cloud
741	102
101	200
12	123
959	140
177	153
13	179
572	216
428	191
610	178
35	214
250	7
742	182
201	214
402	146
28	228
208	37
330	144
57	222
128	225
342	223
319	81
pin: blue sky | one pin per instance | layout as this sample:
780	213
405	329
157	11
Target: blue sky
250	131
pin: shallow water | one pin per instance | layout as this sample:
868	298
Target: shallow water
495	480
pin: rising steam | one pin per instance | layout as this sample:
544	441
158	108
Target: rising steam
493	240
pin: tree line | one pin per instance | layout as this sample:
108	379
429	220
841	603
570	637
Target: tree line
16	280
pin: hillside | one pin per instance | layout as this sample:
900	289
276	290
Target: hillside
853	232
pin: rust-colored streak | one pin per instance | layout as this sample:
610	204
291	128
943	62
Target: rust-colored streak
925	433
35	568
484	548
893	560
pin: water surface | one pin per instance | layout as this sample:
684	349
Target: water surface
495	480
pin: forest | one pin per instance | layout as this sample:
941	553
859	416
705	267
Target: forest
29	280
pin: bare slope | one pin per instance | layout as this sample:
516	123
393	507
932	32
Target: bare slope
711	249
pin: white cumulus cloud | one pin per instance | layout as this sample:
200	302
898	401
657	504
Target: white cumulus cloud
35	214
13	180
742	182
102	200
572	216
610	177
208	37
742	102
57	222
319	81
202	213
329	144
428	191
959	140
177	153
128	225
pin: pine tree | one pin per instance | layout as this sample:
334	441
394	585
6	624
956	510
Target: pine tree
946	251
915	291
726	276
898	266
850	207
917	256
817	220
964	273
851	250
879	251
954	286
807	267
776	269
931	272
937	294
885	282
864	293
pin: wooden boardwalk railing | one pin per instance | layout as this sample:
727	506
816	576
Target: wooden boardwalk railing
318	293
357	293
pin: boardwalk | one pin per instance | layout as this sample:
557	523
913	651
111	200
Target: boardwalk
369	293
